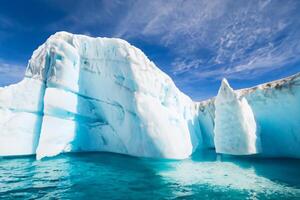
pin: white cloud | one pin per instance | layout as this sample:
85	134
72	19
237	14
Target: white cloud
207	37
225	37
86	16
10	72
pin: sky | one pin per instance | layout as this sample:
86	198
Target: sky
196	42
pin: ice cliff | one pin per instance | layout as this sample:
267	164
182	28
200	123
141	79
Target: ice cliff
99	94
276	109
95	94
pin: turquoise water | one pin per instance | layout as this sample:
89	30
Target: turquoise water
113	176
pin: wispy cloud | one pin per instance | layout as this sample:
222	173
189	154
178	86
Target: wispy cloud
207	38
87	17
10	72
5	24
219	38
204	40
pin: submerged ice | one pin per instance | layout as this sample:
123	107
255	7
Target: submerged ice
99	94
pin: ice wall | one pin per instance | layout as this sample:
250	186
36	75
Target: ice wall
276	108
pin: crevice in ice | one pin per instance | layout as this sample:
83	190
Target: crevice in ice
49	70
206	116
39	113
75	117
113	103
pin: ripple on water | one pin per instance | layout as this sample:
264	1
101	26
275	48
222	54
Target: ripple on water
112	176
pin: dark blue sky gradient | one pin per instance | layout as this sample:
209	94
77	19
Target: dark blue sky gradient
196	42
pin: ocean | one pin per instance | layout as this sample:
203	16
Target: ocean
112	176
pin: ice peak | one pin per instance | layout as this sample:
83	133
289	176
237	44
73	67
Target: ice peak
225	82
235	126
225	93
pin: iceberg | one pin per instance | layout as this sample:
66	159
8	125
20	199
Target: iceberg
276	108
95	94
102	94
235	131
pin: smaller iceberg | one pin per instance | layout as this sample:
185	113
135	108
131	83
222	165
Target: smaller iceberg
235	127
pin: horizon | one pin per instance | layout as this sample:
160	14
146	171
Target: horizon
246	43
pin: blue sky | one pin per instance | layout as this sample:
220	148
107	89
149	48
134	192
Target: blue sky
196	42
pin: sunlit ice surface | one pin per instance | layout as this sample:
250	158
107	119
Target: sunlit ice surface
112	176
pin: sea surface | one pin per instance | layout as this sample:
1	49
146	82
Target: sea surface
112	176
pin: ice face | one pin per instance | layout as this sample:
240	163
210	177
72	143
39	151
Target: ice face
21	117
235	129
206	117
276	106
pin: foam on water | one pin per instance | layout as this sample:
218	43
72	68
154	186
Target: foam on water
225	176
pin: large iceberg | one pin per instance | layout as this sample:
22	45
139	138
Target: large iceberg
95	94
100	94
